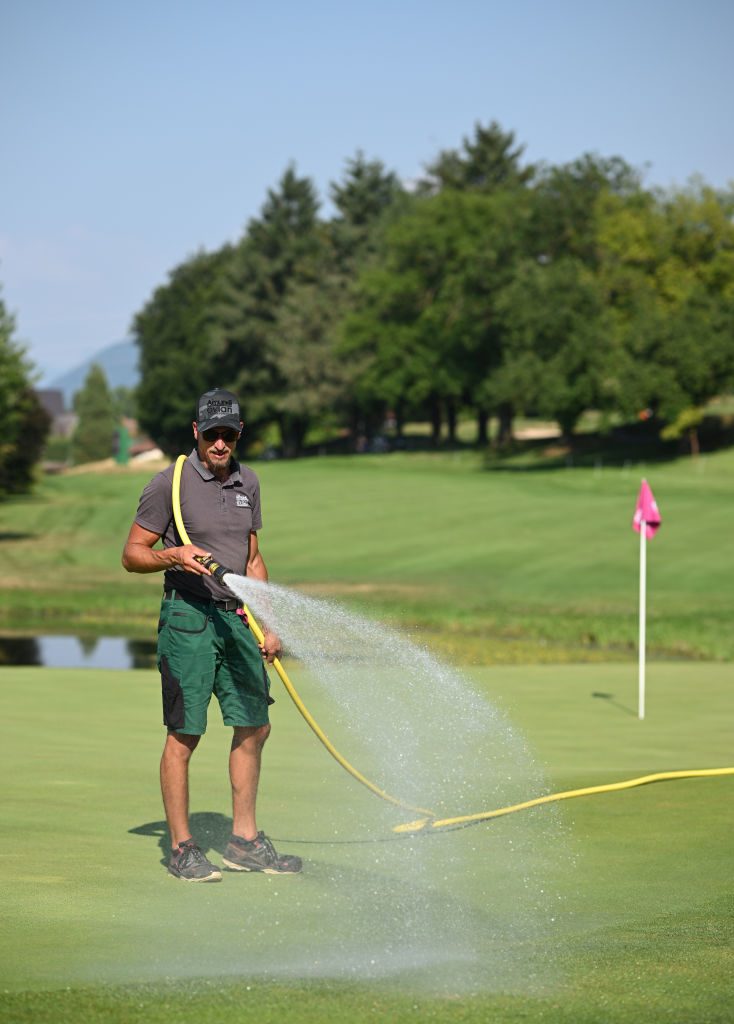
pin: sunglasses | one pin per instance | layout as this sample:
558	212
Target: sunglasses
227	436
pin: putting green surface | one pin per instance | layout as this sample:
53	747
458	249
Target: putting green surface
616	907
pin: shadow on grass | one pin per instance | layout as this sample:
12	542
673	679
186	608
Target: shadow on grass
609	698
620	447
210	829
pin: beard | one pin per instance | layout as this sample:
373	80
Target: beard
218	466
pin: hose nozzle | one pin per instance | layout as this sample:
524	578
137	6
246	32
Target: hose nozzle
217	570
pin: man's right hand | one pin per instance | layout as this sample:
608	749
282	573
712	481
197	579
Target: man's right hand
139	555
187	556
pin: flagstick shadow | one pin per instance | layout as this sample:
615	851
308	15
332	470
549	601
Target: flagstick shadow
609	698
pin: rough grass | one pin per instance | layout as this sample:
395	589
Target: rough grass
487	566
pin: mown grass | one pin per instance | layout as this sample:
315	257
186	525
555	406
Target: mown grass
488	566
94	929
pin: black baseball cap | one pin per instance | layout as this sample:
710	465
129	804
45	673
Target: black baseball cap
218	408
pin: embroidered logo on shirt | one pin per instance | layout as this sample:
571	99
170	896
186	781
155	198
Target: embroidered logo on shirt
243	501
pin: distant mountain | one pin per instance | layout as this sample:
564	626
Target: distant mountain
119	362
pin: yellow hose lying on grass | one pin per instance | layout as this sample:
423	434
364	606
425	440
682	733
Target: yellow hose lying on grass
467	819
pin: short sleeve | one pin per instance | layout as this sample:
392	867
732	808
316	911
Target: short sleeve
155	507
257	519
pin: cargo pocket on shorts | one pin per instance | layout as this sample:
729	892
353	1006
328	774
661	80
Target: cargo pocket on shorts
174	713
185	619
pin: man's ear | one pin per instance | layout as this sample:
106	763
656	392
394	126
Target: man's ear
196	431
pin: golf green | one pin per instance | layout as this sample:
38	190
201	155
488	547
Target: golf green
616	907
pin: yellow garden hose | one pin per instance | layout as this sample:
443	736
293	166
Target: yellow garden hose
466	819
292	692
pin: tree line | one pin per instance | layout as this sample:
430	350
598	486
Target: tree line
493	287
490	288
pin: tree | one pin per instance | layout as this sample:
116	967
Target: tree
425	315
179	356
365	192
667	269
566	202
285	247
314	383
486	163
93	437
24	423
124	401
556	354
365	198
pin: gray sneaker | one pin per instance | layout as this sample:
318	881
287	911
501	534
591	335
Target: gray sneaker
259	855
189	863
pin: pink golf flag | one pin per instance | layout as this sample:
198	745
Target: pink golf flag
647	510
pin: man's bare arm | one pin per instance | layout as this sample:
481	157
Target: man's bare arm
138	554
255	562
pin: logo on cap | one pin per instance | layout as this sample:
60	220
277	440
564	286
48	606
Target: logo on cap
218	407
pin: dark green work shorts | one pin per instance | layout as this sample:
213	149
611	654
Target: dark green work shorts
204	650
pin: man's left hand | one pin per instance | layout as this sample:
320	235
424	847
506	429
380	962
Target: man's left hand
270	647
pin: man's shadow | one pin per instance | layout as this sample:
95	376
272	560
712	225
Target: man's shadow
210	829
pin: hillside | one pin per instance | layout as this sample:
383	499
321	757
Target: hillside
119	362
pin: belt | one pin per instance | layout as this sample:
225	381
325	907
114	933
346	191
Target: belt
223	606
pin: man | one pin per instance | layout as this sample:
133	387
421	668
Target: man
204	645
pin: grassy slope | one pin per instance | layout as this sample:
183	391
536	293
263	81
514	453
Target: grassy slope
643	932
491	566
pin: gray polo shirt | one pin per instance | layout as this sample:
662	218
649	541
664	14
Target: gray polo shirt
218	517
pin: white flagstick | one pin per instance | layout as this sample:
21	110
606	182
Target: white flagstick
643	589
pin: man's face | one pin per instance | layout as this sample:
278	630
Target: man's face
215	446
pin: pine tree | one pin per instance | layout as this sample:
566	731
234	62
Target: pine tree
179	358
24	423
283	248
486	163
94	435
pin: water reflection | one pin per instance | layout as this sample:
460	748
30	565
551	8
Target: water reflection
77	652
20	650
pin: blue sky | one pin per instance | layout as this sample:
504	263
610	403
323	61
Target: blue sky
135	134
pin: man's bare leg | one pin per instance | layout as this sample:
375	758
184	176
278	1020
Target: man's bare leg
244	773
175	784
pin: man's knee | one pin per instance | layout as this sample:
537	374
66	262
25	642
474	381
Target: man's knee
250	735
260	734
180	745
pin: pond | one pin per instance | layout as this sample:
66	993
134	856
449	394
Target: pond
78	652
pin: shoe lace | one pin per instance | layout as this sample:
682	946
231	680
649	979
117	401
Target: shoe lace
267	845
190	854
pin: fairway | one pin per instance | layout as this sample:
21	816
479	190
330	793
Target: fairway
624	913
487	566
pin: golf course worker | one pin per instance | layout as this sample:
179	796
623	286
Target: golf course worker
204	646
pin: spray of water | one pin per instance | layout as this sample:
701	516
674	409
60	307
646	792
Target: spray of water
451	912
471	909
